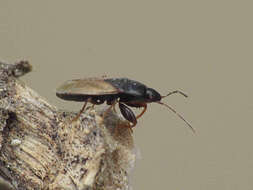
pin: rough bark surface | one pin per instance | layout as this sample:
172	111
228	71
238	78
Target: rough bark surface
41	148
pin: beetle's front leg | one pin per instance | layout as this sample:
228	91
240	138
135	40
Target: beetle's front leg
143	111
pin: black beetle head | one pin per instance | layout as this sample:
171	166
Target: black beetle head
152	95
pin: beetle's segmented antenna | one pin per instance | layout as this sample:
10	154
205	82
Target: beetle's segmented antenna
175	92
180	116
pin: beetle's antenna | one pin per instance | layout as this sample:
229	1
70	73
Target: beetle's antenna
175	92
180	116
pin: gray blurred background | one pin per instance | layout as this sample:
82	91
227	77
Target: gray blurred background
201	47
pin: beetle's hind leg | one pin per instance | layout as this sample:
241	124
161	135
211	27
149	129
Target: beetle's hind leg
81	111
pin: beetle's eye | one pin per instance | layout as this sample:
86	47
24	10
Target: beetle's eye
152	95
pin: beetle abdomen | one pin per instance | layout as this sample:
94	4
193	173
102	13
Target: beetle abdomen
72	97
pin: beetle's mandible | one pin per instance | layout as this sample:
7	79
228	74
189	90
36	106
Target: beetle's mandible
124	91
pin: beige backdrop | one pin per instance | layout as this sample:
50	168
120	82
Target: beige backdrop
201	47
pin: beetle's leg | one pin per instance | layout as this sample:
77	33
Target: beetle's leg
114	109
115	130
81	111
104	76
92	107
128	114
111	106
143	111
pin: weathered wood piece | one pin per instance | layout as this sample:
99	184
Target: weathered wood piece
40	148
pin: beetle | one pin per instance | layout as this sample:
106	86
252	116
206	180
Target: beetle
124	91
